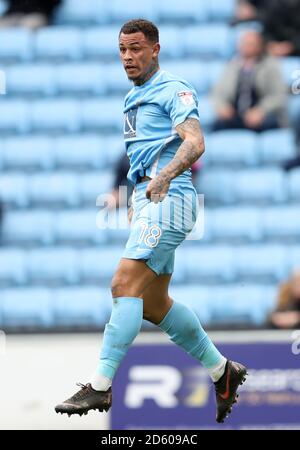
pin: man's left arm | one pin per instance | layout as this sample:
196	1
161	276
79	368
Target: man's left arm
188	153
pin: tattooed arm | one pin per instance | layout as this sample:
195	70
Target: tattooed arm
189	152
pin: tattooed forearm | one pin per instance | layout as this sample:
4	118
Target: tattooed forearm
188	153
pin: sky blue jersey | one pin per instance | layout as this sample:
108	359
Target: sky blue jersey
151	114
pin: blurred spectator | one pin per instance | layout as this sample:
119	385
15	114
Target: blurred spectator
295	162
251	93
287	313
32	14
280	20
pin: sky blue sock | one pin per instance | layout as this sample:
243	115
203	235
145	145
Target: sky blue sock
123	327
184	329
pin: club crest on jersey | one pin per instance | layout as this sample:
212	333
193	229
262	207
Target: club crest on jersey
186	98
130	123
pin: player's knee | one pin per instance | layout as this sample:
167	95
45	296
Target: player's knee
123	287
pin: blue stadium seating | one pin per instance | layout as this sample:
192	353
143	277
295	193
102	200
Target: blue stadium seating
118	232
53	265
294	108
189	11
55	115
94	184
29	227
214	71
14	189
206	112
78	12
294	258
80	79
99	264
99	42
28	153
122	11
16	44
12	266
102	114
236	224
77	227
216	185
281	223
290	65
172	45
27	308
234	148
200	299
14	116
294	185
194	72
81	307
208	41
80	152
59	188
277	146
261	186
58	43
241	304
265	263
210	263
115	79
31	79
221	10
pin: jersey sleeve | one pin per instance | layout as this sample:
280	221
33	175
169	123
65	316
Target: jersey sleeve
180	103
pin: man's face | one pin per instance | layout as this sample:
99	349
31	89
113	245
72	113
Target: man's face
138	55
251	45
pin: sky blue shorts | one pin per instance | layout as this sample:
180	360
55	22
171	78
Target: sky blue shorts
158	229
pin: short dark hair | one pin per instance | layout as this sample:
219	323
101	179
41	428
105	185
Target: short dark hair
144	26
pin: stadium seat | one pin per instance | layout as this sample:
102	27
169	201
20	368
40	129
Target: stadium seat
78	12
115	79
82	307
209	41
210	263
16	44
12	266
29	227
99	264
55	115
294	185
114	148
28	152
221	10
236	224
294	258
281	223
189	11
78	227
58	43
200	299
294	108
80	79
206	112
53	265
103	114
57	188
101	42
233	148
242	305
215	70
123	11
193	72
27	308
80	152
261	186
263	263
117	228
14	190
14	116
94	184
277	146
171	42
216	185
33	79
